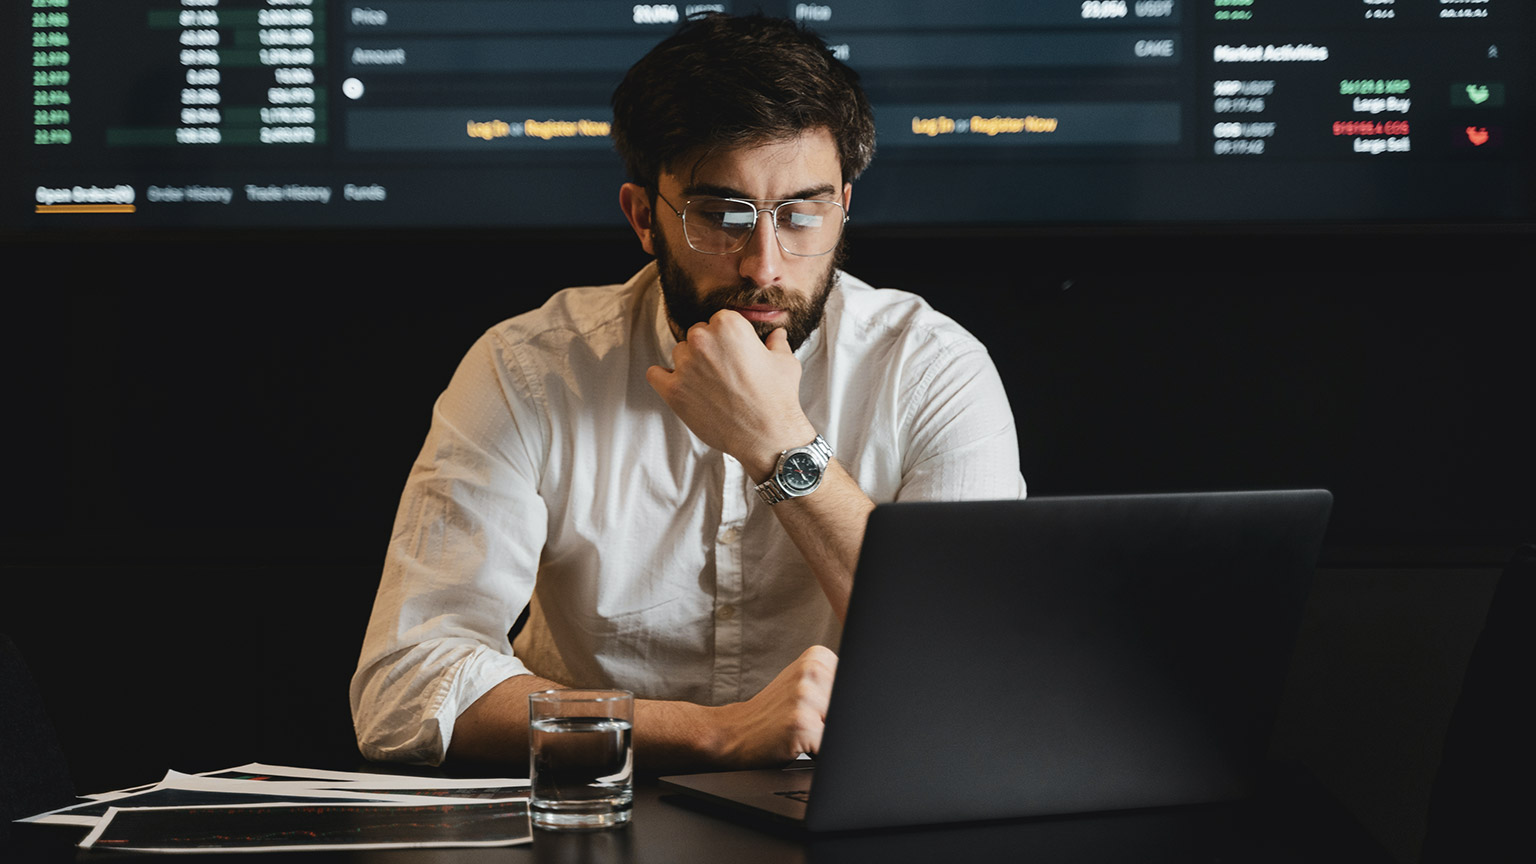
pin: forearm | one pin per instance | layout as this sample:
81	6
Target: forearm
668	736
827	527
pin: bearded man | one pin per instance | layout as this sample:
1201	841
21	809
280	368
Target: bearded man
672	475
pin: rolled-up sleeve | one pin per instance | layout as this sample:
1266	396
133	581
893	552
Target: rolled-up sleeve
460	565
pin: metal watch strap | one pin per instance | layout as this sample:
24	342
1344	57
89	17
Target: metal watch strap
770	490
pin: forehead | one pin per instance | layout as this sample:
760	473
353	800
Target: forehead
782	168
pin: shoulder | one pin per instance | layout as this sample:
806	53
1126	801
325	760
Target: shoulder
576	337
887	317
597	315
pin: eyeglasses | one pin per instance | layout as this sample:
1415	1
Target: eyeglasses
720	226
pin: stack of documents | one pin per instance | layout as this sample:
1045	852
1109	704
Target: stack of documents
260	807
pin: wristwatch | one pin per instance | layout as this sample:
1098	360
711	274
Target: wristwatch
798	472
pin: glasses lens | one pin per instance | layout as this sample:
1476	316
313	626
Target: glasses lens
718	224
722	225
809	227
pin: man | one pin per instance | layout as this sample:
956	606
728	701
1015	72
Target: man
673	474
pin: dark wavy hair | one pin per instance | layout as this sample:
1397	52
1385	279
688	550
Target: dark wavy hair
722	81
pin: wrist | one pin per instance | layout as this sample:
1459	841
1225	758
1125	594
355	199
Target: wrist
679	737
798	472
763	459
736	738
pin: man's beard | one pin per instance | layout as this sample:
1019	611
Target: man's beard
685	306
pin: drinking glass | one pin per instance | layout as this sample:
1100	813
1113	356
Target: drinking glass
581	758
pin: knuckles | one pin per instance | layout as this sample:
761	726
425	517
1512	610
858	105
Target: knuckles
820	657
726	325
807	720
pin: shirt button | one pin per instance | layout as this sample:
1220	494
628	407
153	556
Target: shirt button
730	535
726	612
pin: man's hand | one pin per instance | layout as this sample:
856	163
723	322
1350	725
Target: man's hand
786	718
741	395
736	393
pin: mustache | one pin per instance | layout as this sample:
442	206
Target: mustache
751	295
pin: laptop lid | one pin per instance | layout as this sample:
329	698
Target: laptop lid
1062	655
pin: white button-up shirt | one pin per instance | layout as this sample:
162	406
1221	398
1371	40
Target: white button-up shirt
555	478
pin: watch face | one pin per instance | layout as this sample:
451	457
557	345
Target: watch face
801	473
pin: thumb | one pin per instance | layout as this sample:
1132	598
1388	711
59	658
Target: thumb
778	340
657	377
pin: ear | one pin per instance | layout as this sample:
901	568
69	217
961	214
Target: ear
636	205
848	197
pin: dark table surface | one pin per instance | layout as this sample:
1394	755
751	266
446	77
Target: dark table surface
1291	822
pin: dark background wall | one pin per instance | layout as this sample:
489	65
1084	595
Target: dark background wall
208	439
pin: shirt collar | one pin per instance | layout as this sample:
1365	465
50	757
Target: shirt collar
648	281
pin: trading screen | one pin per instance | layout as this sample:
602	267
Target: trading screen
399	113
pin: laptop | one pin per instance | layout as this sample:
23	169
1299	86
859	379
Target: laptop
1051	656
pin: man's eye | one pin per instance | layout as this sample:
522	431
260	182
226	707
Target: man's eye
725	218
736	219
802	221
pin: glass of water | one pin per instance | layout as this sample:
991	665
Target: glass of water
581	760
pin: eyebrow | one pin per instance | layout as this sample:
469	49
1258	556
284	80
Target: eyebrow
699	189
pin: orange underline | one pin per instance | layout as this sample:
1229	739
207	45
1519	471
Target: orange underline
86	208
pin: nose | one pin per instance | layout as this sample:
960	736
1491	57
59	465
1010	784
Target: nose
762	260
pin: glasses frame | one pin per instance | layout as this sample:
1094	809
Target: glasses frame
757	210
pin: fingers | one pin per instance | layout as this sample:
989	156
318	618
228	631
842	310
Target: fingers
778	341
727	326
819	665
786	718
814	670
734	394
660	377
657	377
